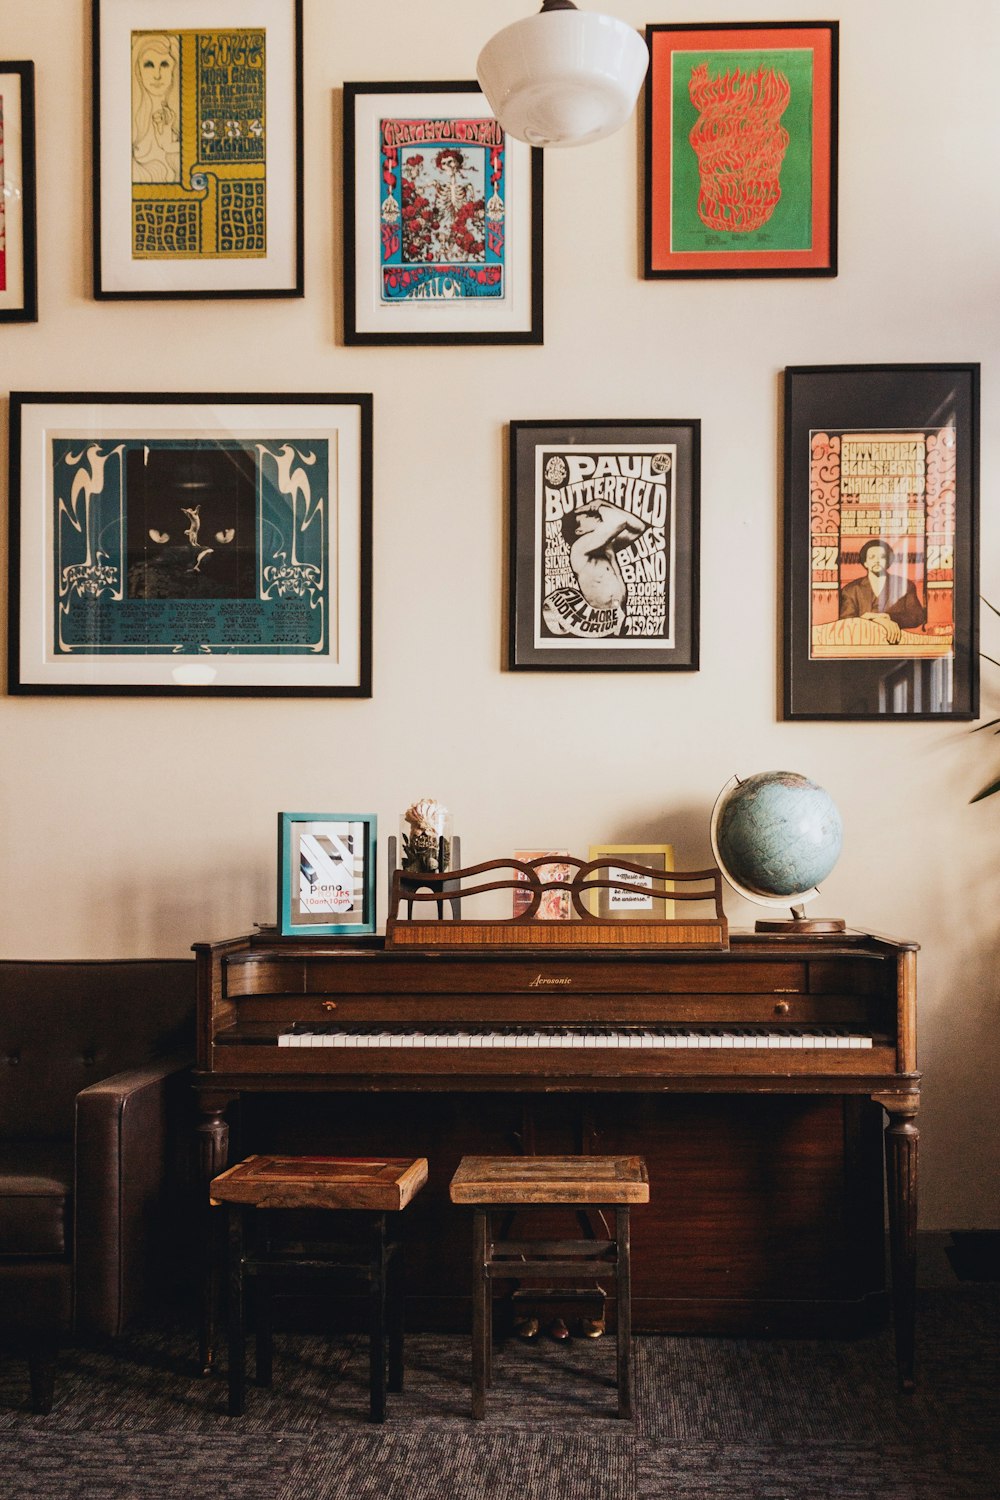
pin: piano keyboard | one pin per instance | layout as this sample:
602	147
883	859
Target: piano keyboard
630	1037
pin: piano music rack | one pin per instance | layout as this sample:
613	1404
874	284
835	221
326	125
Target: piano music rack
528	930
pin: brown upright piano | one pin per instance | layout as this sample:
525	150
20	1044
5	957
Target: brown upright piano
753	1079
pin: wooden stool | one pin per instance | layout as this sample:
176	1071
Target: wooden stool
508	1184
369	1188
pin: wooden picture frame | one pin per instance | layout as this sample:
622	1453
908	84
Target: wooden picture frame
627	599
197	148
881	480
632	899
121	581
326	874
18	244
741	149
442	219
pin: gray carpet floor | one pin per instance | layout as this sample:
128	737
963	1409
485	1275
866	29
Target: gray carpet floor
716	1419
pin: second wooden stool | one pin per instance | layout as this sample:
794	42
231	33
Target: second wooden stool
501	1185
370	1188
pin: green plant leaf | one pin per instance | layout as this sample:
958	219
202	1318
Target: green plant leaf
987	791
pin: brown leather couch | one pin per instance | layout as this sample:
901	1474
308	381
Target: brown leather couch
94	1184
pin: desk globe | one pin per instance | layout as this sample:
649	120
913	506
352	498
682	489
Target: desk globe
775	836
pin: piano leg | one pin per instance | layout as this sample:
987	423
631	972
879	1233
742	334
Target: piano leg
901	1142
213	1158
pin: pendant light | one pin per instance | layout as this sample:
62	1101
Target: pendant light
563	77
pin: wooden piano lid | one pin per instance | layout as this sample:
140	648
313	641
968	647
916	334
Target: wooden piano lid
485	1180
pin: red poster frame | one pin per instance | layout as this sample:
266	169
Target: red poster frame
822	39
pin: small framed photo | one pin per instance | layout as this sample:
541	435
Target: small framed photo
18	254
190	544
197	148
442	219
604	545
881	542
634	897
326	874
551	864
741	149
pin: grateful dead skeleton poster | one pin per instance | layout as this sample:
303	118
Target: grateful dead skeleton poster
442	208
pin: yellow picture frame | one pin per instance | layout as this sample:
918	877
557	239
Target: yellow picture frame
627	900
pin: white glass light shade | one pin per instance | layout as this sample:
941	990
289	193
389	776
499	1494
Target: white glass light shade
563	77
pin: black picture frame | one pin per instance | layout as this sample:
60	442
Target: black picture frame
206	212
18	207
420	300
122	582
634	605
881	507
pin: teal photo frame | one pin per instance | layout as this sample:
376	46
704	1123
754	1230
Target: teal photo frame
326	874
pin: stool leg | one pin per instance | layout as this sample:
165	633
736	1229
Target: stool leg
481	1320
377	1290
263	1308
623	1267
396	1294
237	1314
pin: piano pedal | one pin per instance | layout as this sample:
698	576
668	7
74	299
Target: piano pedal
526	1328
592	1328
557	1330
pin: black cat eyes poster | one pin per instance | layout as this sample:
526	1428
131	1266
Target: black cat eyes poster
190	543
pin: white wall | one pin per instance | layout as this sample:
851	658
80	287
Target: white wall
136	827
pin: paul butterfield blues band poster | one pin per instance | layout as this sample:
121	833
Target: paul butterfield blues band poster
194	544
611	545
440	206
197	147
607	556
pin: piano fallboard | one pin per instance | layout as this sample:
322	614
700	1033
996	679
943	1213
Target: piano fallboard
255	990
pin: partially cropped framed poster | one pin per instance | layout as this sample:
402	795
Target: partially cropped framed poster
881	520
741	149
195	544
442	219
18	286
604	545
197	148
326	874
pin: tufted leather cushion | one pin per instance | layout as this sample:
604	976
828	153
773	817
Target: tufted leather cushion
36	1187
65	1025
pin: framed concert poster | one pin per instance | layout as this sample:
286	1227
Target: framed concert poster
326	874
190	544
18	283
604	545
197	148
442	219
741	149
881	565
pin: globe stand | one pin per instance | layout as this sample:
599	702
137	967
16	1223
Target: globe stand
799	925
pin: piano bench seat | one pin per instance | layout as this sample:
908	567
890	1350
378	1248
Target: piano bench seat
257	1191
499	1187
